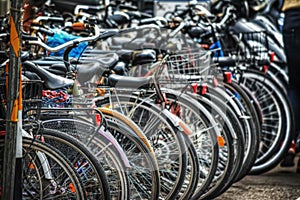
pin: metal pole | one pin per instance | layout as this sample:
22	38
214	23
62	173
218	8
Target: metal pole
11	149
4	7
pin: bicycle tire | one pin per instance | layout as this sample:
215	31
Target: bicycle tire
120	118
281	142
93	176
165	138
251	139
255	129
105	151
47	173
204	136
143	176
226	153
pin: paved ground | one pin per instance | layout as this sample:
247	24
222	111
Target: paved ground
278	184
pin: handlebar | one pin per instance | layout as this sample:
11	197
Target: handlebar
228	16
46	18
218	25
239	61
127	7
99	35
42	30
67	44
181	26
96	9
149	26
160	21
24	36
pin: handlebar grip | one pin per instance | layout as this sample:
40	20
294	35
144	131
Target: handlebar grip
46	31
28	37
43	30
128	7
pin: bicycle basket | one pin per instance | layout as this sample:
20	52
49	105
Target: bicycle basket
31	93
32	97
255	48
184	67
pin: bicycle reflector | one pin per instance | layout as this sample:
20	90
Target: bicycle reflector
98	119
272	56
72	188
265	69
228	77
195	88
221	141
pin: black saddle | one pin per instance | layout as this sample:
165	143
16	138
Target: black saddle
115	80
51	81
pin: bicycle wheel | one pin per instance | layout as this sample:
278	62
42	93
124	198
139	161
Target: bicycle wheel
91	172
136	149
104	147
47	173
166	140
191	177
192	171
120	118
278	72
204	135
277	120
242	125
231	154
143	173
232	99
252	133
137	134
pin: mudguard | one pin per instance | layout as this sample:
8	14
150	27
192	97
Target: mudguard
106	134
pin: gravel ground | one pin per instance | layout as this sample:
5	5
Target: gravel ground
278	184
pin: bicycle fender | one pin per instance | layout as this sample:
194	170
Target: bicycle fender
113	141
177	122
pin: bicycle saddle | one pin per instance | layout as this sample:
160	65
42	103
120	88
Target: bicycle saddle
132	44
51	81
137	57
57	68
107	60
115	80
86	71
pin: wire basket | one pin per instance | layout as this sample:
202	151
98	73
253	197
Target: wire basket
31	94
32	98
252	48
184	67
